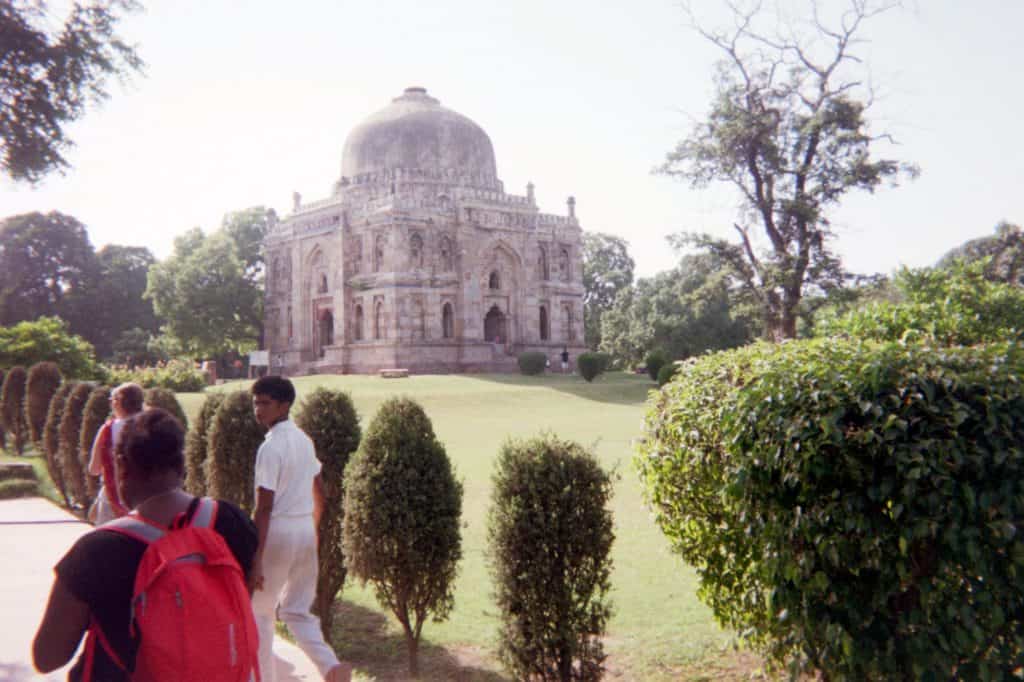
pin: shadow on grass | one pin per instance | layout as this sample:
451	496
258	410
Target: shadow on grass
616	387
362	637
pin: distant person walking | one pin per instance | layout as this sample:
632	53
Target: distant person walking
125	401
289	502
565	359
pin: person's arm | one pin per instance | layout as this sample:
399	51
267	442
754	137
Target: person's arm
95	456
261	517
318	500
64	622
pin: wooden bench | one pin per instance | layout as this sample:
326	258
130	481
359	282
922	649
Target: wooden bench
394	373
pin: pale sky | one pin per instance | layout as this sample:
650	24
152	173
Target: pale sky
245	102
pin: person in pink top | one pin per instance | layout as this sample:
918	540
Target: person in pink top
289	503
125	401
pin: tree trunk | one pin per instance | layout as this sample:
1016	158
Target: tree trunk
413	645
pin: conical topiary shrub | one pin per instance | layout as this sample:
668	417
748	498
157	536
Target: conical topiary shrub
549	535
70	434
43	381
402	511
96	411
12	407
165	399
234	437
51	438
329	418
195	445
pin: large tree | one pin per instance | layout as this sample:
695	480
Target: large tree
1004	251
684	311
209	305
50	72
113	303
45	260
607	270
787	129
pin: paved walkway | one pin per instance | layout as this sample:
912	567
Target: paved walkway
34	534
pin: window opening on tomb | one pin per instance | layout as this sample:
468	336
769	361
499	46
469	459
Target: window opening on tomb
494	282
446	254
495	325
378	320
326	330
542	264
416	251
447	321
545	327
563	265
322	284
378	254
357	332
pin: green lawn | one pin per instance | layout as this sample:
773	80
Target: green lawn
660	631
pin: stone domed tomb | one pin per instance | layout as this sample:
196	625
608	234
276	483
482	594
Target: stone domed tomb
419	259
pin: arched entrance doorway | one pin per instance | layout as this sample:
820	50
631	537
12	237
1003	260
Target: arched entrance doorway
495	326
325	330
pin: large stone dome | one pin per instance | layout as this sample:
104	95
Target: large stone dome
416	132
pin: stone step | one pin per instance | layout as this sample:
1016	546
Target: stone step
17	471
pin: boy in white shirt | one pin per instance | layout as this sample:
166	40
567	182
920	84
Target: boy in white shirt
289	502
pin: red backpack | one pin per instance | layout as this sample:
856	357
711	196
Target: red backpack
191	612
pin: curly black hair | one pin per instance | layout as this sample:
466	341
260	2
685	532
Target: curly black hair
153	441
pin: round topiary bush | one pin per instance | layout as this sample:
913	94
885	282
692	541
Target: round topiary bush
854	505
95	412
531	363
195	445
329	418
402	511
667	371
3	432
654	361
165	399
51	438
43	381
69	437
231	446
590	365
549	537
12	407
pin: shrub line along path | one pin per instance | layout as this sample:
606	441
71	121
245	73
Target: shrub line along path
34	534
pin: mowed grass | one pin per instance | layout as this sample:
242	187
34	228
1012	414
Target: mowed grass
659	631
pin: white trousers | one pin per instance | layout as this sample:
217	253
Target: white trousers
289	588
104	510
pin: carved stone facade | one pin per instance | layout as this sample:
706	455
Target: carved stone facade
419	259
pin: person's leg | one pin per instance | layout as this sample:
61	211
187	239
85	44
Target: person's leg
277	560
297	598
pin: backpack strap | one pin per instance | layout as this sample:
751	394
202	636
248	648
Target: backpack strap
205	514
136	528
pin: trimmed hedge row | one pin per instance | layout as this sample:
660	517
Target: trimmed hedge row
853	506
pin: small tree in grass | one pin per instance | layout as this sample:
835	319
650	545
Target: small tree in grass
70	432
12	412
402	510
195	445
43	381
51	438
549	539
329	418
165	399
95	412
231	447
532	362
654	361
590	365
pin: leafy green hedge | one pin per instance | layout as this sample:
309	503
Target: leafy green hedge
852	506
531	363
196	444
232	441
165	399
180	376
